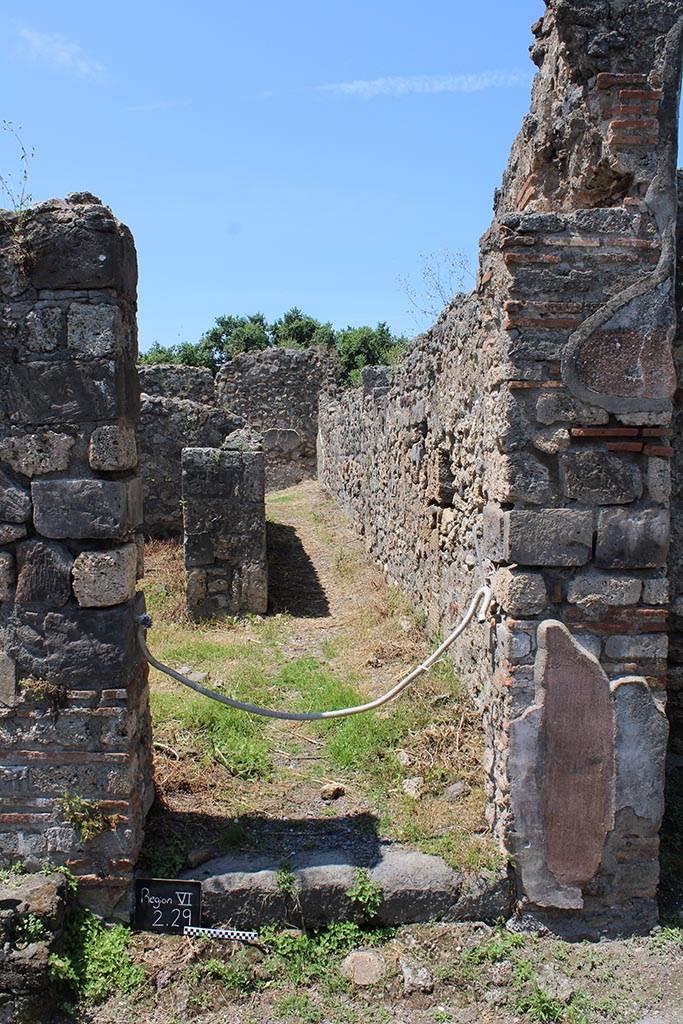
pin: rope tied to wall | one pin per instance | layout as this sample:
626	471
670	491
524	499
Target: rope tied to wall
479	606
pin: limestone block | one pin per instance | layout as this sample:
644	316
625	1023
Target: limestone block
94	331
103	578
519	477
553	536
44	574
642	645
520	593
34	454
559	406
96	509
45	329
8	681
7	574
15	500
632	538
659	479
595	591
551	441
599	479
113	447
641	736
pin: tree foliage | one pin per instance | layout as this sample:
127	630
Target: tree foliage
355	347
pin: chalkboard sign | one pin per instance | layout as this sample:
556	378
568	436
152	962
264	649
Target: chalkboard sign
167	905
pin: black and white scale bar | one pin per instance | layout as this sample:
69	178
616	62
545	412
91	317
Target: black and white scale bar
221	933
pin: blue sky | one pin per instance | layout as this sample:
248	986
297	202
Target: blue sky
271	153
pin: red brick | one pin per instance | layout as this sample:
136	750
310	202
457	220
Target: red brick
24	819
657	432
529	257
605	80
604	431
661	450
625	446
638	123
640	94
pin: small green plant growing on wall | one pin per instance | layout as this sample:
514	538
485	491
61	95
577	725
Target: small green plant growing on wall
365	894
87	816
28	929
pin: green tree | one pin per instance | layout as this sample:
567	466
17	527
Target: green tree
231	335
366	346
295	329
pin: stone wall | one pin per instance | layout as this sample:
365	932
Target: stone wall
167	425
675	684
225	528
276	393
532	423
75	745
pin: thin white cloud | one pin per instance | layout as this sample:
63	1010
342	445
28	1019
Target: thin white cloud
58	53
142	108
405	85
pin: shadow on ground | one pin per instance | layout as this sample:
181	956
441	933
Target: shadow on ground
293	582
183	839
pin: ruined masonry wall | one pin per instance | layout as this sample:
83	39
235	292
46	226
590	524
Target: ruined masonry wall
276	393
168	423
536	416
74	718
225	528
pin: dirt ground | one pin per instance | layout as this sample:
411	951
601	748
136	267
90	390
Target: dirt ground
336	634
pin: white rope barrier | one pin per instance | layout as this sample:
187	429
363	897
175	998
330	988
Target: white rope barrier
481	602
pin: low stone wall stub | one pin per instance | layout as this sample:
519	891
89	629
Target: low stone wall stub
75	741
225	529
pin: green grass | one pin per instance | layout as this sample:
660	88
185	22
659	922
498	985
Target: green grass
234	739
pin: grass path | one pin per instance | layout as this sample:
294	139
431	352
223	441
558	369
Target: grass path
336	635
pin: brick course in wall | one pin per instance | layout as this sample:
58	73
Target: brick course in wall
74	718
532	424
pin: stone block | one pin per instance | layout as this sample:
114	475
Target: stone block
81	648
520	593
551	441
632	538
78	243
649	646
113	448
35	454
596	591
559	406
7	574
44	574
659	479
94	332
596	478
11	531
15	500
73	391
45	329
8	681
549	537
519	477
641	737
90	509
103	578
656	591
